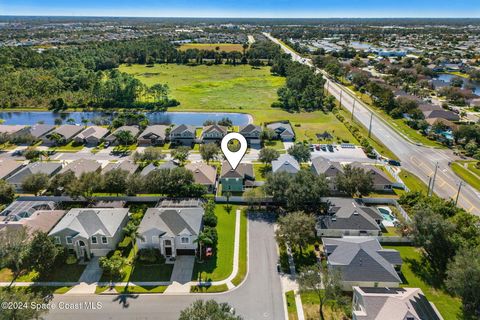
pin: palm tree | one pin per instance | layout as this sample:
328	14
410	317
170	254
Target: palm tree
203	239
131	230
124	137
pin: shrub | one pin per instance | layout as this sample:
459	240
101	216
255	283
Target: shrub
210	220
71	259
150	255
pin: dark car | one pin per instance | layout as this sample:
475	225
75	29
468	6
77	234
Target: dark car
317	147
330	148
394	163
323	148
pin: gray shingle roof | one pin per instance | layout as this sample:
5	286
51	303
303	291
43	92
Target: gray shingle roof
39	130
358	259
285	163
81	166
126	165
283	129
242	171
8	167
48	168
67	131
157	130
323	166
350	214
172	221
93	132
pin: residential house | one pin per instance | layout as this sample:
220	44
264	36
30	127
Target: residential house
236	180
153	136
330	169
42	221
82	166
12	129
361	261
88	232
18	210
183	135
48	168
381	181
173	231
392	304
203	174
64	134
349	217
441	113
91	136
112	138
126	165
285	163
283	130
8	167
152	167
213	133
38	131
252	134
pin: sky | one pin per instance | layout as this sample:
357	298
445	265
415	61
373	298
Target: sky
246	8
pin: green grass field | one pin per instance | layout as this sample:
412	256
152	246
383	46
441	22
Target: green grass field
291	306
413	182
220	265
228	47
412	269
468	172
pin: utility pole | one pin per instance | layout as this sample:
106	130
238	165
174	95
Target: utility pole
458	193
341	92
328	85
434	177
370	126
429	184
353	108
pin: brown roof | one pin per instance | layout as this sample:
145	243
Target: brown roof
202	173
243	169
81	166
450	124
43	221
8	167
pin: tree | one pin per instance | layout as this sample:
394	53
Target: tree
305	191
296	229
209	310
463	278
7	192
181	154
62	182
209	151
86	185
267	155
24	296
300	152
131	230
115	181
150	154
124	137
35	183
202	240
326	284
354	181
14	248
42	253
277	185
113	266
226	122
135	184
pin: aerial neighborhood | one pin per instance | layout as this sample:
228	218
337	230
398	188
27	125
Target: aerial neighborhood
357	195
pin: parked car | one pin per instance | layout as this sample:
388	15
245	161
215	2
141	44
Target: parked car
330	148
317	147
394	163
323	147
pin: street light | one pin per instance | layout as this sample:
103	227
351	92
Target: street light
370	126
458	193
434	177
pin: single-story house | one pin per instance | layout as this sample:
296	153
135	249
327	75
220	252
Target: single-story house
126	165
8	167
392	304
236	180
18	210
151	167
361	261
153	135
82	166
42	220
213	133
283	130
183	135
349	217
285	163
328	168
48	168
173	231
65	134
252	134
39	130
441	113
381	181
13	129
203	174
90	231
92	135
112	138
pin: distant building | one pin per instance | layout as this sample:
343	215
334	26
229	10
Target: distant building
112	138
80	166
48	168
283	130
213	133
183	135
285	163
153	136
92	135
252	134
61	135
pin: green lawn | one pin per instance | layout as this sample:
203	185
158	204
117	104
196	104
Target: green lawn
275	144
220	265
70	147
64	272
468	172
413	182
209	289
311	302
291	306
260	170
141	289
243	259
413	271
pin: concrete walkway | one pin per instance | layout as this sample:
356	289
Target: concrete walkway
181	274
290	283
89	278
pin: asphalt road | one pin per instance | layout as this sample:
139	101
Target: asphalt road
419	160
258	298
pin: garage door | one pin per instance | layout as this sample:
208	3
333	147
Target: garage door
185	252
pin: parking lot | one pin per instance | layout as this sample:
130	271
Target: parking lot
341	153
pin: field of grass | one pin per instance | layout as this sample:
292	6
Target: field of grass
291	306
413	182
220	265
243	259
228	47
416	277
209	289
141	289
467	171
70	147
63	273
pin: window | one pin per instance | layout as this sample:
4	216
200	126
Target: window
184	240
57	240
104	240
94	240
69	240
168	242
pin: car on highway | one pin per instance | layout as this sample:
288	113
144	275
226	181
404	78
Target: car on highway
394	163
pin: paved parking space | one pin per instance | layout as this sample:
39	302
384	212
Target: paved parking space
341	154
183	269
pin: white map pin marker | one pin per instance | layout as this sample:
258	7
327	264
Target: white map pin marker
234	158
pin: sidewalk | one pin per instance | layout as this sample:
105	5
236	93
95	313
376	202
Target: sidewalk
289	283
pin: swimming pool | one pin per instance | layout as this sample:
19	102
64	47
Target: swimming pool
388	217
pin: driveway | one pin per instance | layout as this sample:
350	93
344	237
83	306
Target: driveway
258	298
89	277
183	269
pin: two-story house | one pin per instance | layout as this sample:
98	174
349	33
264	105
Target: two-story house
183	135
213	133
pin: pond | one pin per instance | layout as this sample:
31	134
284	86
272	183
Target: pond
447	77
95	117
